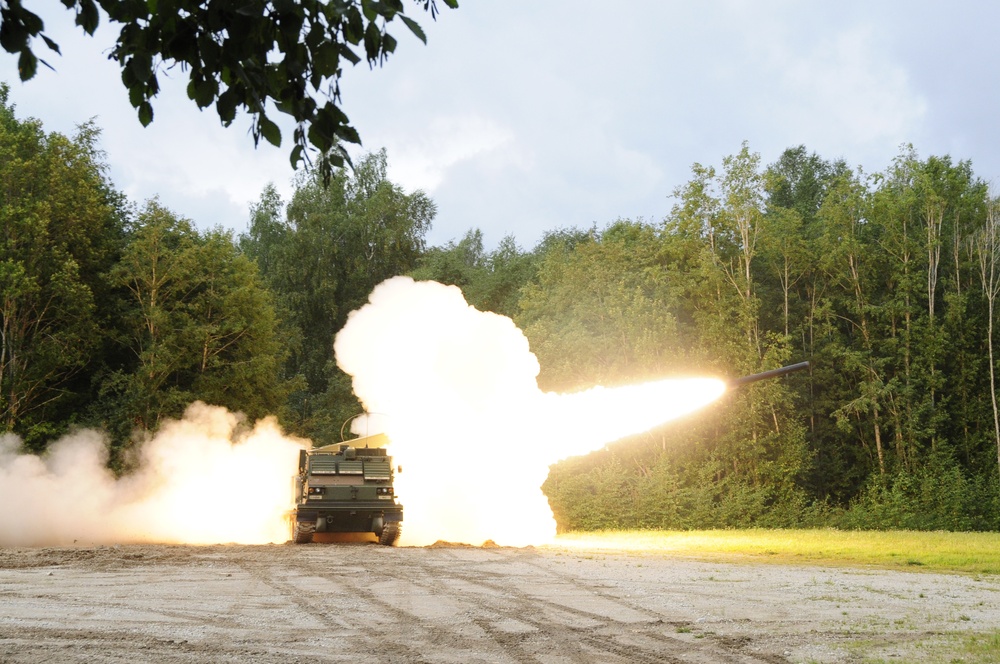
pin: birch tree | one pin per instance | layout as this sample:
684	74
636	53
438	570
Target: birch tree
985	247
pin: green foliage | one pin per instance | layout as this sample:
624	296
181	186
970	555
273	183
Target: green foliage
197	322
940	495
490	281
599	311
873	279
321	260
256	56
462	264
117	323
61	227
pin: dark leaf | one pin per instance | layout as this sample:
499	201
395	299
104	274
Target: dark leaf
51	44
414	27
346	52
87	16
13	36
296	156
320	135
326	59
315	37
373	42
338	116
226	106
349	134
138	70
205	91
210	53
269	130
354	29
128	79
388	43
32	23
145	113
284	7
326	172
27	65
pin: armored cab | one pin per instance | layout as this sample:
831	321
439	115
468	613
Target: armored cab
347	488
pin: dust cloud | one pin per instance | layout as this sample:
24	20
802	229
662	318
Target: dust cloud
474	434
205	478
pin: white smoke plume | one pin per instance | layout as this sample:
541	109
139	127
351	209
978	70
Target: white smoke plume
455	388
469	426
206	478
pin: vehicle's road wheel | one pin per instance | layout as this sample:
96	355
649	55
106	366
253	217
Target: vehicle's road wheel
304	532
390	533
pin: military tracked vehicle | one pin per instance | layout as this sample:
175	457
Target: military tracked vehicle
346	488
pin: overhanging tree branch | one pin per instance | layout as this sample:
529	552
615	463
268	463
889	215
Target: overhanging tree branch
250	55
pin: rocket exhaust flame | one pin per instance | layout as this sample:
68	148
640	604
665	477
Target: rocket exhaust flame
470	427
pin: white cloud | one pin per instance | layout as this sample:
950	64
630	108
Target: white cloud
197	168
422	159
844	94
186	153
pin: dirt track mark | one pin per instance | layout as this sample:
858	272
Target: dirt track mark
338	609
348	603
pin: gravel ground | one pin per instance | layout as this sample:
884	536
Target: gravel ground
363	602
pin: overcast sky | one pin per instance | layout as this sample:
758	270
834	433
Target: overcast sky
524	116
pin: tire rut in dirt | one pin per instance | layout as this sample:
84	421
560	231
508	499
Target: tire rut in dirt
550	633
325	609
34	644
738	647
607	640
401	644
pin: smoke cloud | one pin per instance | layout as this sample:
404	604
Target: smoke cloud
456	390
205	478
472	431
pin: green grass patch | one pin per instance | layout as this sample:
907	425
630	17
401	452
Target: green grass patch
978	648
983	647
974	553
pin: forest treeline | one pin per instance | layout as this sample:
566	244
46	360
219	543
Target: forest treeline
117	315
